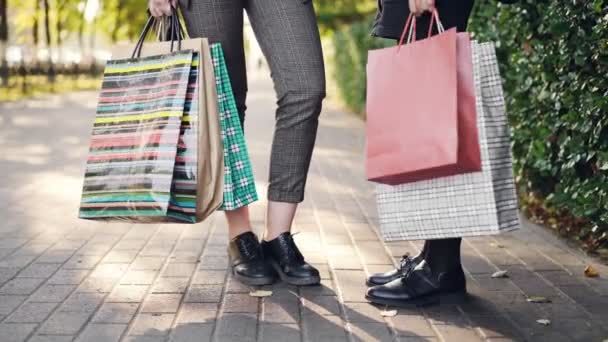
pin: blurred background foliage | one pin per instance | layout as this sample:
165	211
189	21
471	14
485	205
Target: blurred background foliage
553	57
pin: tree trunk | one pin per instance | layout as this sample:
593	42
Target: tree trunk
3	42
81	29
59	27
119	6
47	29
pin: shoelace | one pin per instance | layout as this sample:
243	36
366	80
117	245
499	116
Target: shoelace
405	265
292	253
248	248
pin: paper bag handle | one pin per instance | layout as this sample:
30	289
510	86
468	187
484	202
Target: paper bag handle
410	27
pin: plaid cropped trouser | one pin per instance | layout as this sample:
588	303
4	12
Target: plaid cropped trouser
289	37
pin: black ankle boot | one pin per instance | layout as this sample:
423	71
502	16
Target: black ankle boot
285	257
406	264
419	287
247	260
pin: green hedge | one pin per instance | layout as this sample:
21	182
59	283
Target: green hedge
350	57
554	60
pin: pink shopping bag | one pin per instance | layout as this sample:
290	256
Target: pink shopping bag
421	118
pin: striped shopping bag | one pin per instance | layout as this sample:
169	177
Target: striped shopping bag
239	183
134	144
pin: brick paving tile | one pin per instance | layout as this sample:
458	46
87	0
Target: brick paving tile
38	270
162	303
323	328
170	285
15	332
207	277
211	262
279	332
367	331
197	313
64	323
68	277
193	332
51	338
52	293
82	302
32	313
82	262
21	286
9	302
97	284
203	294
412	325
237	327
152	324
127	294
139	277
103	332
115	313
321	305
179	270
241	303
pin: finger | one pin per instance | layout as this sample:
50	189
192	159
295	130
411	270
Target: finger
413	7
421	5
155	12
166	8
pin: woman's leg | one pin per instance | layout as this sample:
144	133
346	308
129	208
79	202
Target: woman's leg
289	37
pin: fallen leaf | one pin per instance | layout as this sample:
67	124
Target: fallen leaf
544	322
388	313
500	274
538	299
260	293
591	272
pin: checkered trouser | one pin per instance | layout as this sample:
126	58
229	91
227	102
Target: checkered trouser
289	37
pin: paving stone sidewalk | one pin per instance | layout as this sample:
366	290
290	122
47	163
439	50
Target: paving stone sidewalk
62	279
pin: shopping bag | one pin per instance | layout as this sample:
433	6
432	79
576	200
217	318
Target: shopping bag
156	152
421	120
471	204
239	182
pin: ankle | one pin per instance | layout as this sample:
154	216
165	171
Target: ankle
233	233
271	235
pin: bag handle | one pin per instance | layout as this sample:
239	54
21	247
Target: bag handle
175	31
410	27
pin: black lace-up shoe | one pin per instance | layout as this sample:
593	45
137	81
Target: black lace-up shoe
420	287
406	264
247	260
286	258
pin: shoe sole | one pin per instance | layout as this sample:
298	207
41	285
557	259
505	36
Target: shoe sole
254	281
454	297
249	281
370	284
308	281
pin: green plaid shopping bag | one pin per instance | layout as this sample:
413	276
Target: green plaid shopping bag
239	184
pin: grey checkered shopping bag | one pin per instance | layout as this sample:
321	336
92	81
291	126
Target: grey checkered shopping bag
472	204
239	184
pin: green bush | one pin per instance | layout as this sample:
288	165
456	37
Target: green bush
350	57
554	61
